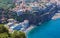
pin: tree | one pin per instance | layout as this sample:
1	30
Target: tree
3	35
18	34
3	29
22	34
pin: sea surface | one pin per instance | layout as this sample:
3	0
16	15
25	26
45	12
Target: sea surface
49	29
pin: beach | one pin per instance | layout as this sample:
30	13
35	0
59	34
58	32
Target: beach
29	29
56	16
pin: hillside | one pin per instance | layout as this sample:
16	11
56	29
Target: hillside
6	4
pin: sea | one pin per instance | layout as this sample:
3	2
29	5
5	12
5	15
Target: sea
50	29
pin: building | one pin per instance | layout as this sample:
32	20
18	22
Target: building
11	25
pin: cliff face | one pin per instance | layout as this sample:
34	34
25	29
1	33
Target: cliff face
35	19
40	16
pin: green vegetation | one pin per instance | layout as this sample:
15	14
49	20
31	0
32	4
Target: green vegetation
18	34
4	33
6	4
1	24
3	29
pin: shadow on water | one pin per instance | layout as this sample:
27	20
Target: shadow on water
45	24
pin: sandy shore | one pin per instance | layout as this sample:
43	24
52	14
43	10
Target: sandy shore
56	16
29	29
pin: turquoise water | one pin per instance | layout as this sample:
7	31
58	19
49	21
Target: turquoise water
49	29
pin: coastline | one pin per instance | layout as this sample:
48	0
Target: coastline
56	16
29	29
47	30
